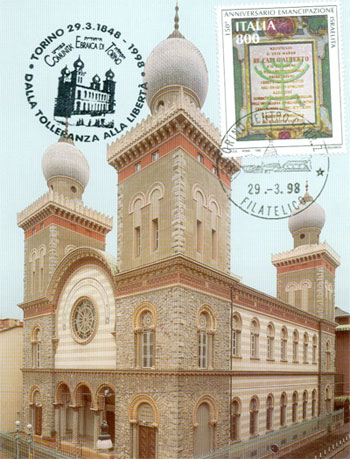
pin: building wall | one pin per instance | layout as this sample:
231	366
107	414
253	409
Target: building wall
342	359
11	342
244	361
176	330
244	388
92	282
57	241
179	174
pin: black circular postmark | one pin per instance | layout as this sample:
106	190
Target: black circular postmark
272	185
88	75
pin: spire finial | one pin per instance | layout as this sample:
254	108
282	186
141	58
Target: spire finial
176	19
176	33
64	137
307	197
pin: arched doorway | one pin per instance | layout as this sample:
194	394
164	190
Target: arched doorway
203	432
37	416
106	404
144	418
147	432
64	416
85	415
204	421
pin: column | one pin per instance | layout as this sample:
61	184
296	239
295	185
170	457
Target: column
75	423
57	408
134	439
97	423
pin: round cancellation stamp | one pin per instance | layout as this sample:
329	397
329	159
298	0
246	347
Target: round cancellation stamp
89	75
271	185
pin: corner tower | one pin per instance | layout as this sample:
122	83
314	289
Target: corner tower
306	274
173	185
58	221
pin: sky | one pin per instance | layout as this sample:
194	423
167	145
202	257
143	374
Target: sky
144	24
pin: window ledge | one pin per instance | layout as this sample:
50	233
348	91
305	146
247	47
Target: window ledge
253	436
254	358
295	361
234	442
270	360
306	363
284	361
236	356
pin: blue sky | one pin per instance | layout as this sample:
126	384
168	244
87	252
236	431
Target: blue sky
24	24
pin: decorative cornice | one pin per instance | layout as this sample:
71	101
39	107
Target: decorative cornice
182	270
38	302
180	117
53	203
175	372
306	253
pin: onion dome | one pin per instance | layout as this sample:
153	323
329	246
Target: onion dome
110	74
65	71
307	215
64	160
78	64
176	62
96	79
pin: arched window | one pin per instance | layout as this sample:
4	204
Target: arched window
328	399
305	286
313	404
42	253
36	347
269	412
283	409
144	330
32	260
198	196
314	349
329	300
328	355
305	347
305	397
236	335
205	330
254	411
254	339
270	341
295	345
137	227
284	338
290	289
147	353
215	214
154	197
235	419
295	407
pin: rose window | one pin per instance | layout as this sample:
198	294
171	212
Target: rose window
147	320
83	320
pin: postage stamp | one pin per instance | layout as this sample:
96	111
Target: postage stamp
280	77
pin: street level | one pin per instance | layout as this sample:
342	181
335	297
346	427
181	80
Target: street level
325	447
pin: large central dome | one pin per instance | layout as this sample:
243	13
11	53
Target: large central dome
176	62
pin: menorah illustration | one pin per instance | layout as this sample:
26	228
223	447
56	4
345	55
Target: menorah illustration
283	75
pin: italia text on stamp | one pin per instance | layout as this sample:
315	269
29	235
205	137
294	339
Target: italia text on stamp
281	77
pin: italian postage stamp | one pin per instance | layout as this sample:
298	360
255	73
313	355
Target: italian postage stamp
281	77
